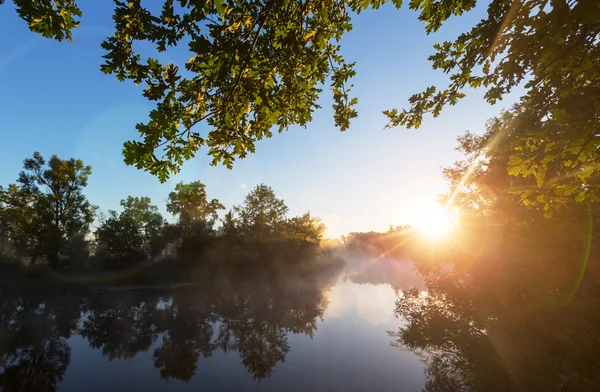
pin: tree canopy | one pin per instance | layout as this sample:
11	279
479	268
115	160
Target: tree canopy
47	205
189	203
262	213
16	218
261	65
120	241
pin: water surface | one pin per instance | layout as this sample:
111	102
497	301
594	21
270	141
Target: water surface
319	328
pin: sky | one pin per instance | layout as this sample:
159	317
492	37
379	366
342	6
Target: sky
55	100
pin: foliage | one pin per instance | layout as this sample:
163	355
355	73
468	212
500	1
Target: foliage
148	220
77	250
363	242
196	215
120	241
229	227
189	203
399	242
136	234
52	19
259	65
196	237
46	214
550	47
47	206
534	175
254	66
482	184
16	217
305	228
262	214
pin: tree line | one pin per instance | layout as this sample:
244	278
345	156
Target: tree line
45	213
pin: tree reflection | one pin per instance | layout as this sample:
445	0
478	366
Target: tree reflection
121	325
34	353
245	300
250	302
186	323
507	318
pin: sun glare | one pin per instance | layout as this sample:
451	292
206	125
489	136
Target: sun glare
434	221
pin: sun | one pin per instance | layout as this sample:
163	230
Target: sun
434	221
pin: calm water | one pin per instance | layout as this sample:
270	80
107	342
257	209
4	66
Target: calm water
318	329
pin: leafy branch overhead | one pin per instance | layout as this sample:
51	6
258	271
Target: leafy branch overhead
254	66
260	65
551	49
50	18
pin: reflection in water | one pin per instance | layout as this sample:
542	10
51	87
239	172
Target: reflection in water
400	274
232	306
469	349
34	353
507	318
370	302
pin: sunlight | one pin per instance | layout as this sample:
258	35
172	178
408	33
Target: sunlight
433	221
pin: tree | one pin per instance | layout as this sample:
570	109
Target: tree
16	211
120	241
262	214
52	19
533	176
77	250
305	228
189	203
53	192
480	184
516	43
196	217
149	221
229	227
137	233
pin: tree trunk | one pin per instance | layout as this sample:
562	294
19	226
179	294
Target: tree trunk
53	259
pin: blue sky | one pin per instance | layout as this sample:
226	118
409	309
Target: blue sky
55	100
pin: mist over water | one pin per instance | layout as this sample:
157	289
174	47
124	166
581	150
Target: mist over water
304	321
